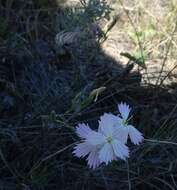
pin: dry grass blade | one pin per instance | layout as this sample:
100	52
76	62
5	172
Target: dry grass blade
160	142
166	56
66	38
37	165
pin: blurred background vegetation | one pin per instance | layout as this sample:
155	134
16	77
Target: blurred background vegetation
67	61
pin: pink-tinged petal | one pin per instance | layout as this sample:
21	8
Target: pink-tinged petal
93	159
120	150
95	138
121	133
82	149
106	123
106	153
135	136
83	130
124	110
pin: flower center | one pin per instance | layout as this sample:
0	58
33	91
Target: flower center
109	139
124	122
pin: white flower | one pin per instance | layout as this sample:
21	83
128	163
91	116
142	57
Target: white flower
83	149
125	129
106	139
108	142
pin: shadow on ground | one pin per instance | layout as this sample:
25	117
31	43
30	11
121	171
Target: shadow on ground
38	78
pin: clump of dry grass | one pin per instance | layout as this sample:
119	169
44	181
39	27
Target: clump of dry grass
146	29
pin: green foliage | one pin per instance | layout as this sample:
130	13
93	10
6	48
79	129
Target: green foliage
81	101
136	58
145	33
89	12
95	9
